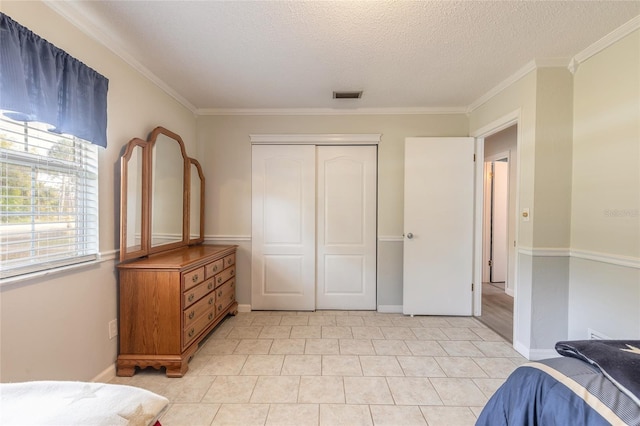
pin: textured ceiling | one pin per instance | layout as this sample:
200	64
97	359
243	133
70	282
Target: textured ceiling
402	54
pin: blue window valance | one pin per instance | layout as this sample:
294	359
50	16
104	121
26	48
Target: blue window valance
40	82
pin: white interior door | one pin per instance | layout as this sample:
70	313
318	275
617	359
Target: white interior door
283	227
346	248
499	221
438	226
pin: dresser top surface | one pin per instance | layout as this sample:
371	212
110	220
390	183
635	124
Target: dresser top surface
181	258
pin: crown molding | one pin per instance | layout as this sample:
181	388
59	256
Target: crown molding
529	67
331	111
606	41
79	18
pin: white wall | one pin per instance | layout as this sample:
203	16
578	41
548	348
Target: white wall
226	160
604	289
56	326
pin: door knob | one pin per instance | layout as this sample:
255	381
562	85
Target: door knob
410	236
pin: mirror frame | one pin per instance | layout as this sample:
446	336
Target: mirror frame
146	192
194	163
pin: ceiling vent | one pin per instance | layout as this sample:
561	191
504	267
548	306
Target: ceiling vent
347	95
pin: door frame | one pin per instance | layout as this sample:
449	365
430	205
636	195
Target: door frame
508	120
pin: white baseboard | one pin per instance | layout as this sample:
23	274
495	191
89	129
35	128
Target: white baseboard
509	291
390	309
106	376
244	308
521	349
535	354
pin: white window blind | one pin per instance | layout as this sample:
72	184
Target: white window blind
49	199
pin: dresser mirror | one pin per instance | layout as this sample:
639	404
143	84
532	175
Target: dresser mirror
133	206
168	189
162	196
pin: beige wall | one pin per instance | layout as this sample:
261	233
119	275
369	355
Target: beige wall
604	290
56	326
553	141
606	171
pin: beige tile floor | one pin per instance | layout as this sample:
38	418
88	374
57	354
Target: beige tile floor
336	368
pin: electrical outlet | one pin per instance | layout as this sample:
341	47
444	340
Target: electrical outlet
113	328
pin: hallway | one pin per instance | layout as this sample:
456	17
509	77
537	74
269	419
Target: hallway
497	310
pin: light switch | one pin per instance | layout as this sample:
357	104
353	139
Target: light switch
525	215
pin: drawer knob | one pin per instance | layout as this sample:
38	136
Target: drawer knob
232	272
191	332
233	284
210	316
211	300
191	296
220	293
219	280
215	268
192	314
219	308
210	286
194	278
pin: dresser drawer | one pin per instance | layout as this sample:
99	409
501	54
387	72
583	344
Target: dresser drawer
225	295
213	268
225	275
194	294
193	278
197	309
229	260
195	328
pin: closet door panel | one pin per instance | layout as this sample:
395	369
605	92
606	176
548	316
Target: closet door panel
346	246
283	227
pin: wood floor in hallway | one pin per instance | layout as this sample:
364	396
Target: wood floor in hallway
497	310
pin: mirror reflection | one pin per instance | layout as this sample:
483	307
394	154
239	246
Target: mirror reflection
167	191
134	200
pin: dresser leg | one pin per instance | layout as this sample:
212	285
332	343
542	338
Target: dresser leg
125	371
178	370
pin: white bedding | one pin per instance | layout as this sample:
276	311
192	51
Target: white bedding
53	403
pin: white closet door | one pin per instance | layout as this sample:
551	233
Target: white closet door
346	247
283	227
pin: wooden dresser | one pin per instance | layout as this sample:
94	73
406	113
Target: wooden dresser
169	302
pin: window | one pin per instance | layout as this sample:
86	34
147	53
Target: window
48	199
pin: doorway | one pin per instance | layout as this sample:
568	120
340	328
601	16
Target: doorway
499	234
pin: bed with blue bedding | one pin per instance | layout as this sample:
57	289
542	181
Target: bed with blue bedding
594	382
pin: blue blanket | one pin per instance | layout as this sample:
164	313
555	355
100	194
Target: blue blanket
559	391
